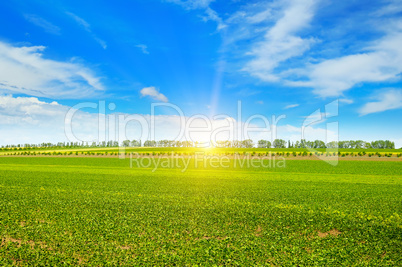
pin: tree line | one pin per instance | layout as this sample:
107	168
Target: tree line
248	143
353	144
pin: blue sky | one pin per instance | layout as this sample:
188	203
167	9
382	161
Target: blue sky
277	57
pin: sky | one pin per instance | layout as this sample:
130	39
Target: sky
291	69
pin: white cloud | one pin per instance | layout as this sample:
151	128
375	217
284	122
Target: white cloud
260	102
391	99
29	120
397	141
213	16
261	16
379	61
154	94
332	77
25	70
315	118
80	21
143	48
83	23
210	14
27	109
391	8
346	100
101	42
276	36
192	4
281	41
44	24
314	133
291	106
293	133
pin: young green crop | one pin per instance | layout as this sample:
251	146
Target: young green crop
99	211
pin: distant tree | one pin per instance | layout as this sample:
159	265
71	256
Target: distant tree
269	144
389	144
309	144
366	145
303	143
332	144
319	144
381	144
126	143
262	144
247	143
279	143
149	143
290	145
236	144
187	144
135	143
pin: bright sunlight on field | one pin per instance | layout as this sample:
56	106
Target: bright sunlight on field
201	133
309	213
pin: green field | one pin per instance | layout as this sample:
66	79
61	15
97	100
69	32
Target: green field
97	211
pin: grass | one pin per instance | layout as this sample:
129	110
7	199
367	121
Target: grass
98	211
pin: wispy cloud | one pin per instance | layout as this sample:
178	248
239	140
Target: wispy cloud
25	70
192	4
80	21
101	42
391	99
210	14
291	106
391	7
248	92
144	48
213	16
154	94
346	100
317	117
378	62
44	24
280	41
87	27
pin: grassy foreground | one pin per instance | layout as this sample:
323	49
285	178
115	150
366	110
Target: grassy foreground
99	211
